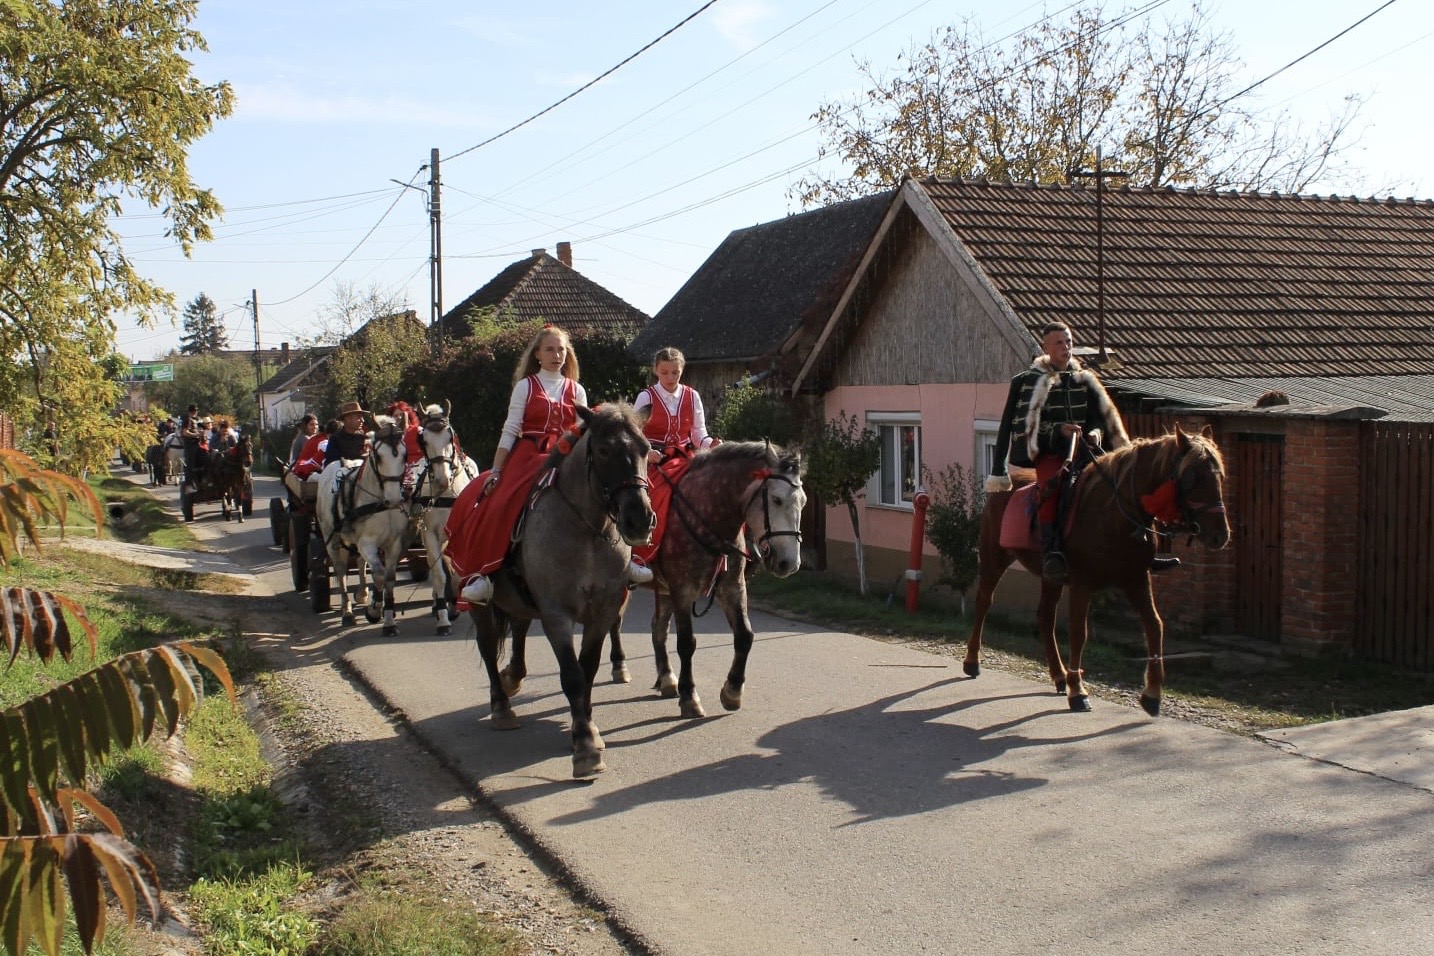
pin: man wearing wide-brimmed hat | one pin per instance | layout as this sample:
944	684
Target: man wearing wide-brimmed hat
351	440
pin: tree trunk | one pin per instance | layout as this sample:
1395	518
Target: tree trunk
860	554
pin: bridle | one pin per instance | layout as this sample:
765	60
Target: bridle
704	535
442	497
636	482
764	543
1171	510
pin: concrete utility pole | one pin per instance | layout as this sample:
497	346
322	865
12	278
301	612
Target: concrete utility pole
1100	176
435	258
258	361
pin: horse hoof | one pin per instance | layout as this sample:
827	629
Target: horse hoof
511	685
390	630
692	708
1061	687
588	765
666	687
372	616
444	630
972	668
504	719
348	619
1080	703
620	674
1151	705
731	697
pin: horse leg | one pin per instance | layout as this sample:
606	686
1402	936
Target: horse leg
517	669
492	630
371	566
339	561
390	575
666	685
689	703
618	657
438	577
732	594
576	677
1046	625
1143	600
991	574
1076	697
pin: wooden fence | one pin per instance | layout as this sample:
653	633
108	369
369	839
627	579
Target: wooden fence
1395	605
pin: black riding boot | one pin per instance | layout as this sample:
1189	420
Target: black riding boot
1053	562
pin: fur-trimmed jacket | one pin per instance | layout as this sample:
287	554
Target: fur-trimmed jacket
1040	401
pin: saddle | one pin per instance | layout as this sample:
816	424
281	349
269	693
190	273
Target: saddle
1019	531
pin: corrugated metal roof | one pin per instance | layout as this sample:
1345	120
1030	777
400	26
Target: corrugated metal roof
1403	397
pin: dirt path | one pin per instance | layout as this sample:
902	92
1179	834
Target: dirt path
375	799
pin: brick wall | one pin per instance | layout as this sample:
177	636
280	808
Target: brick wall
1320	529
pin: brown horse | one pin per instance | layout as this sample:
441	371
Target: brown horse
1109	543
231	469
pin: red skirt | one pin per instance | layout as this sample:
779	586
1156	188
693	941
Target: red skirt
660	494
480	527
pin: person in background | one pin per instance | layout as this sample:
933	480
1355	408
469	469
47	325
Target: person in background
225	437
311	456
190	431
308	428
351	441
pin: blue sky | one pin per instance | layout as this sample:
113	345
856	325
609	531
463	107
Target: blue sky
646	172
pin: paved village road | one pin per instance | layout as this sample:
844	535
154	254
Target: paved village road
870	799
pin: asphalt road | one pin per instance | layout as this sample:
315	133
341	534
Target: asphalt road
868	798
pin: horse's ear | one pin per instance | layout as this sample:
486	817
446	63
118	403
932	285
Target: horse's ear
448	408
642	414
1207	432
585	413
1182	438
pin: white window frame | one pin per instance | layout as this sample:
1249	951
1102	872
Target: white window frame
985	451
884	478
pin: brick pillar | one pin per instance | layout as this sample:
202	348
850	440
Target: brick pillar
1320	529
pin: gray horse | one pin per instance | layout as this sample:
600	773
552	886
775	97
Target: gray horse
569	567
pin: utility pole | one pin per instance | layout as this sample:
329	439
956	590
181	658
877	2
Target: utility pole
435	258
258	363
1100	176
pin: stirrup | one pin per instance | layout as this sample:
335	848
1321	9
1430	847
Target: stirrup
1053	567
1163	562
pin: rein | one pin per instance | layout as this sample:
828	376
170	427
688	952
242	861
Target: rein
453	458
1165	512
564	447
705	534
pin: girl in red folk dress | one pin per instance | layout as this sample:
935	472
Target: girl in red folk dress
542	408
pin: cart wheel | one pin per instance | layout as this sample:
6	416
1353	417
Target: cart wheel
279	523
320	588
186	505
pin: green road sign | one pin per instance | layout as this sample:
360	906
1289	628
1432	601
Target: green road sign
152	372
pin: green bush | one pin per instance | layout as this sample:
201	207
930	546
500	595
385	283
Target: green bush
953	522
750	413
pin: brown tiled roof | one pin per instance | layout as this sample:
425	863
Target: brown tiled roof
756	287
306	361
1200	283
541	287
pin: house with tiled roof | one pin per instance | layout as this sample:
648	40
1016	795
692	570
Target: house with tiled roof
1190	302
547	288
288	394
735	314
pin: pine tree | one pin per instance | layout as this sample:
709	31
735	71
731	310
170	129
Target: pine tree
203	332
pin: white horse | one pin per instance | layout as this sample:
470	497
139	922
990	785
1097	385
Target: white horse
360	508
172	458
443	473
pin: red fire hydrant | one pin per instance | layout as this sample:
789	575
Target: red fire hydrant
913	566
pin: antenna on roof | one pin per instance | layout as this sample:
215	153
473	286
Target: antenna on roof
1100	175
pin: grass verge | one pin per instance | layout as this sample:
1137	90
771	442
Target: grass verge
1245	689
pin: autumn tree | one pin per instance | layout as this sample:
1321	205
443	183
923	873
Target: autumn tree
203	330
220	385
1162	99
369	365
99	110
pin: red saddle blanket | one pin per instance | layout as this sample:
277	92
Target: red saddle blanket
1018	523
662	478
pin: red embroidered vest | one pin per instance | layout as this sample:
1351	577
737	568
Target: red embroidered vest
664	428
543	416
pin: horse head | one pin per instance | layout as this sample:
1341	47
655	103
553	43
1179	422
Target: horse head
244	452
440	446
775	500
616	454
388	458
1199	476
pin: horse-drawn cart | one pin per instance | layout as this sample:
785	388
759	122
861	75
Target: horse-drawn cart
296	531
227	480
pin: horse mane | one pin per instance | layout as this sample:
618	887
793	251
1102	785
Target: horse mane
759	453
604	415
1120	464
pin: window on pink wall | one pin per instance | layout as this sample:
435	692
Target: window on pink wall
899	477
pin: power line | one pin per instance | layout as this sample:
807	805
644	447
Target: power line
1380	9
609	72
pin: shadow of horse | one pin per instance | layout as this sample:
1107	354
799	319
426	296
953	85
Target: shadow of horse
1110	543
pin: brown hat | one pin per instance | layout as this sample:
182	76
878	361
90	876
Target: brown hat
351	408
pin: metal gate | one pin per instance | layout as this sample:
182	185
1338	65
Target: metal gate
1258	470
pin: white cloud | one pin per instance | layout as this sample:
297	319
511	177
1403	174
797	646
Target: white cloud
735	21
